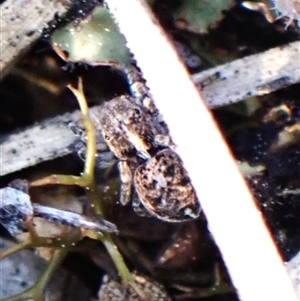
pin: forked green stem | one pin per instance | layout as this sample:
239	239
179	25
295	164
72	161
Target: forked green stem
86	181
91	189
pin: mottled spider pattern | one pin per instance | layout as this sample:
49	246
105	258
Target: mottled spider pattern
164	188
129	130
111	290
137	135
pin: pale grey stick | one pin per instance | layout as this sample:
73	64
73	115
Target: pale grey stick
41	142
16	207
49	139
73	219
21	24
253	75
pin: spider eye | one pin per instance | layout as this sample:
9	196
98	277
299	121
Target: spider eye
136	116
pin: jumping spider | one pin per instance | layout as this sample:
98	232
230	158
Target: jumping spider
135	132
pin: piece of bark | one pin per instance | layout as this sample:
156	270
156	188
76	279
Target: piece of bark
22	22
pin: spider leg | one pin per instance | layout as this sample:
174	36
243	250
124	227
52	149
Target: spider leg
105	159
138	207
164	140
288	23
139	89
77	129
126	181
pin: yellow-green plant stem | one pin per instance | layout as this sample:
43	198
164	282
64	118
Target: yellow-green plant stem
56	260
117	258
121	265
87	181
37	242
91	190
90	130
15	249
87	178
218	288
36	292
130	249
207	292
60	179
